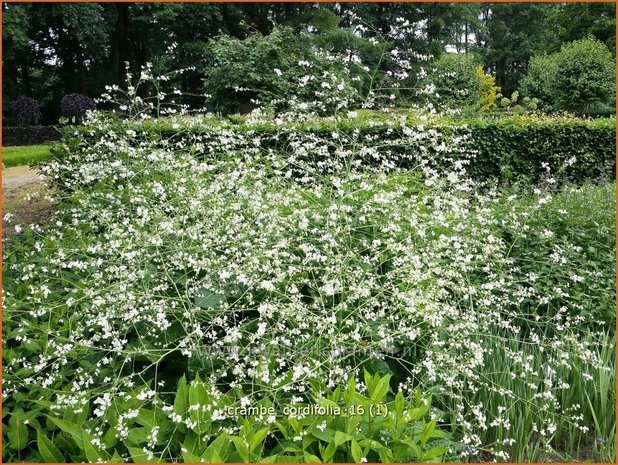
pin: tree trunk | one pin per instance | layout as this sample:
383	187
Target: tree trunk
119	43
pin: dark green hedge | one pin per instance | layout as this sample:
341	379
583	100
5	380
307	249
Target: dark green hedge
505	148
28	135
512	147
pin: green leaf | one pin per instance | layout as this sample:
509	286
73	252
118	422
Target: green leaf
381	388
341	438
48	450
208	299
17	430
328	452
428	431
93	453
216	452
327	435
399	405
193	444
357	453
187	457
433	453
139	456
257	438
386	456
368	381
72	430
414	414
198	396
241	448
310	458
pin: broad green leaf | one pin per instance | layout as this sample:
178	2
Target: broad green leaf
193	444
386	456
208	299
181	402
257	438
93	453
328	452
399	405
433	453
310	458
327	435
341	438
380	389
139	456
428	431
48	449
241	448
187	457
216	452
17	430
414	414
72	430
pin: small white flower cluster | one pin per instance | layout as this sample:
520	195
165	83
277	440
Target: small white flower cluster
278	270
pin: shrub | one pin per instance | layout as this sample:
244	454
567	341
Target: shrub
539	82
506	148
452	81
578	78
585	75
276	69
28	135
487	89
26	111
212	258
75	106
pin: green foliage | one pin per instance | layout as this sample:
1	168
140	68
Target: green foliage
191	247
275	68
581	221
26	111
342	425
591	386
505	147
579	78
488	90
455	79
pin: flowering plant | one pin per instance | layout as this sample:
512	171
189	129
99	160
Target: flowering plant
271	279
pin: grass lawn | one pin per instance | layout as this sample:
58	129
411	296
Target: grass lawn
24	155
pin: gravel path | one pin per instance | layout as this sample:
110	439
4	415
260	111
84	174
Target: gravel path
19	177
25	197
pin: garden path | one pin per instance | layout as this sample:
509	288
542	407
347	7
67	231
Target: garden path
24	197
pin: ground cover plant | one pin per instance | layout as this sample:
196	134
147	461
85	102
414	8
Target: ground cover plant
231	299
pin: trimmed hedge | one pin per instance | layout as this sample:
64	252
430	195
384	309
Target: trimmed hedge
28	135
505	148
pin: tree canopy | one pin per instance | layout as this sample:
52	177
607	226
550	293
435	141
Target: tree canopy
53	49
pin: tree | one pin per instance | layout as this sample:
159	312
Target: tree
578	78
573	21
514	33
275	69
452	81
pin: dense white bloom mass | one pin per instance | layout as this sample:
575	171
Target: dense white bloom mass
281	273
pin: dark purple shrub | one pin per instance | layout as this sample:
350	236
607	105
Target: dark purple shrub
26	111
76	106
